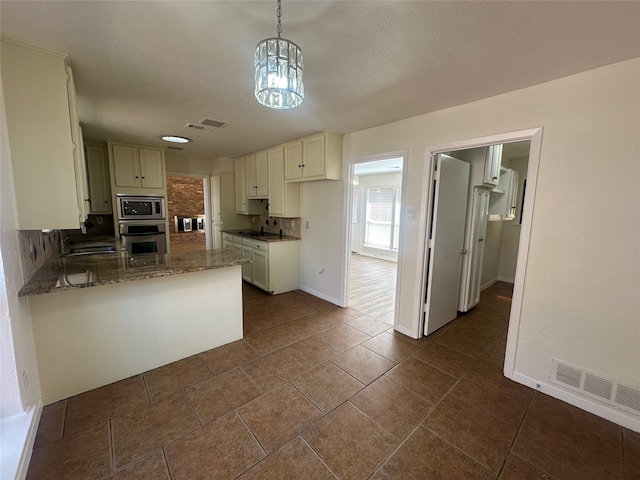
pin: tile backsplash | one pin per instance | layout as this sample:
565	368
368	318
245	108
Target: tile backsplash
289	226
35	247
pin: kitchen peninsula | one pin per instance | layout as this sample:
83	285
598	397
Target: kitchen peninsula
98	319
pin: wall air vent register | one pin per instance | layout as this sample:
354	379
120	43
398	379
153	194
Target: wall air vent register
596	386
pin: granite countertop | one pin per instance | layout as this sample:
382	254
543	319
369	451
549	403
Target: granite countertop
61	273
262	236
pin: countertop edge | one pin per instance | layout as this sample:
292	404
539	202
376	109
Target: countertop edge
47	279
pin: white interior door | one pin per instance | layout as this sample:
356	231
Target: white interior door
472	261
446	241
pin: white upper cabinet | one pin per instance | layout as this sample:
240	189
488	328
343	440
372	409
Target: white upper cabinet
284	197
492	164
42	128
257	180
320	158
293	160
98	176
137	169
504	198
241	186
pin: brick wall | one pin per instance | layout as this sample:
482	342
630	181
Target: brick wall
185	198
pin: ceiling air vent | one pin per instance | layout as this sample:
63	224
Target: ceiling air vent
597	386
174	148
206	124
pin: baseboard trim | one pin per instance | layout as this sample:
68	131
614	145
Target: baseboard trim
321	295
506	279
488	284
19	431
618	417
404	330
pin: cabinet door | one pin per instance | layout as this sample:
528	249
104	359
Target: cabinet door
216	199
241	187
513	195
126	167
247	268
262	175
38	122
293	161
313	164
284	197
151	171
492	164
250	176
98	174
276	182
260	268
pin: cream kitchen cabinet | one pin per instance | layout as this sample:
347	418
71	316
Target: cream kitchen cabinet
98	176
44	138
284	197
492	163
503	202
274	266
257	175
318	157
241	186
137	169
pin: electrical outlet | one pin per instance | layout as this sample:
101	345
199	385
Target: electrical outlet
99	220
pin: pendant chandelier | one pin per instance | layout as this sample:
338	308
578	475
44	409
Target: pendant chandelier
278	64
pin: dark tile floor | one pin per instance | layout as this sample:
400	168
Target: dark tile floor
314	391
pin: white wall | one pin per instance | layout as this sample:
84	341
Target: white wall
322	206
580	298
511	234
491	258
177	163
17	351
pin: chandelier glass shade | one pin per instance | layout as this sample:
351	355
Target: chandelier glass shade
278	72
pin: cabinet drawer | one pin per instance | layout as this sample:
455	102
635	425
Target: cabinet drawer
257	244
227	238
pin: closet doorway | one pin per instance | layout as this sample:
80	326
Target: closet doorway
374	236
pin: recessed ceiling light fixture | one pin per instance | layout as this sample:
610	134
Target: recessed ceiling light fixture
278	71
175	139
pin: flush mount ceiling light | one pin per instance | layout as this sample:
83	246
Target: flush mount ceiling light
278	64
175	139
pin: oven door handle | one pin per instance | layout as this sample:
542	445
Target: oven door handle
143	234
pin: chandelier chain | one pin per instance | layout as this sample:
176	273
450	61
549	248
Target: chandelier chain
279	14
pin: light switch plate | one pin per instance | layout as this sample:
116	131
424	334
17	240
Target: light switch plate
412	213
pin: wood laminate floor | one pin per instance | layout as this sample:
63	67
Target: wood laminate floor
372	286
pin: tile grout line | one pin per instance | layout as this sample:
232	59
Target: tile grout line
112	447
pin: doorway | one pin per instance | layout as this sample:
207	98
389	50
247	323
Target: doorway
374	237
526	199
487	230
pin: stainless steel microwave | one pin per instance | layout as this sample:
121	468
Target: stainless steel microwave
143	207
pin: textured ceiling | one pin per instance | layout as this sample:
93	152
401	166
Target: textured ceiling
143	69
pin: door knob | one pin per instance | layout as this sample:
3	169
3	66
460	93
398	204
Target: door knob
462	252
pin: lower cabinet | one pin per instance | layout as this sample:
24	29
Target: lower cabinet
274	266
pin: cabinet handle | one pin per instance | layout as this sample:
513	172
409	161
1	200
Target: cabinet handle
142	177
137	176
495	178
299	166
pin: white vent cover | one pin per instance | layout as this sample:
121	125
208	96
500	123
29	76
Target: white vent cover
206	124
597	386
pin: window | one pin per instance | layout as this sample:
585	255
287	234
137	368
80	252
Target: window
382	218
